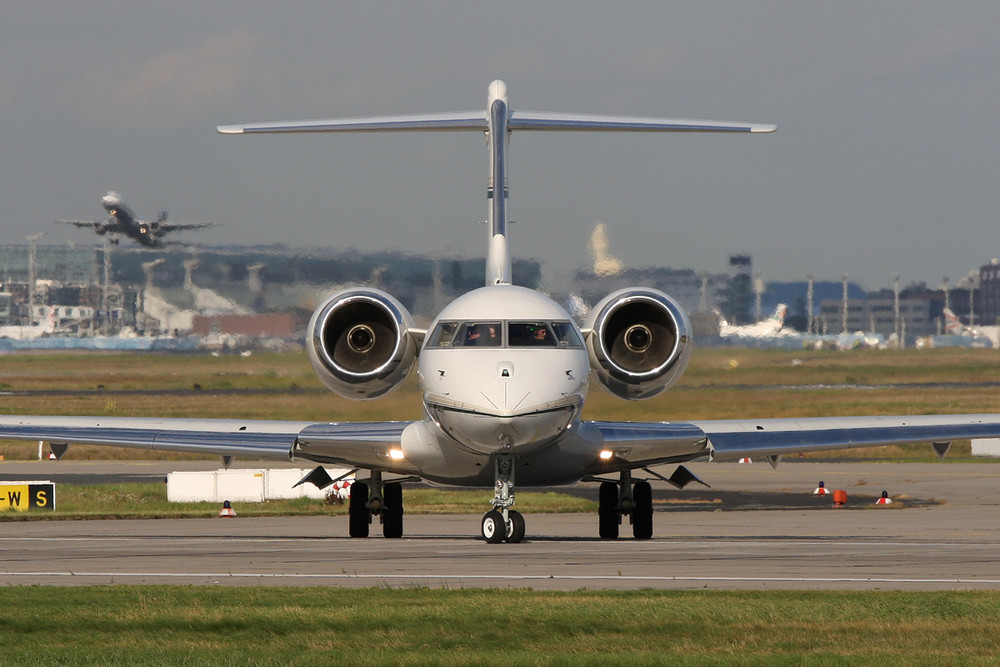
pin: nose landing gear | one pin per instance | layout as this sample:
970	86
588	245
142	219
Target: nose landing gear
503	523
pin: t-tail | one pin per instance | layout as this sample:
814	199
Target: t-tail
498	123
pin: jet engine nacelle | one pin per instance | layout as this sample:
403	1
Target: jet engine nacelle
359	343
639	341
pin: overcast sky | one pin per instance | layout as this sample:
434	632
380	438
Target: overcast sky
885	161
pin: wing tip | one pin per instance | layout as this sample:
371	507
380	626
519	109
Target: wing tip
230	129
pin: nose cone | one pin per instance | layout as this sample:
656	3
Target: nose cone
486	433
516	409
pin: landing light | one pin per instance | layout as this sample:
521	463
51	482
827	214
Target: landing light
396	454
606	454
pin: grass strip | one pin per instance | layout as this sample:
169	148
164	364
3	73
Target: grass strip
178	625
149	501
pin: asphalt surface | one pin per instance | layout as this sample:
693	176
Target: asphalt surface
756	528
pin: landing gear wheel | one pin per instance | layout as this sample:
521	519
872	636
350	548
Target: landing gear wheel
392	512
494	527
642	513
358	510
515	527
607	512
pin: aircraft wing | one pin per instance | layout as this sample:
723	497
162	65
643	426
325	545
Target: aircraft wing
369	444
178	226
640	445
365	444
90	224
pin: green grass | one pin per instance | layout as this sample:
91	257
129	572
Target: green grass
149	501
297	626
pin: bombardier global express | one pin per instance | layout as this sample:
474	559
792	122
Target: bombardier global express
504	374
121	220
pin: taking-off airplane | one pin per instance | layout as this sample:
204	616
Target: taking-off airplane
504	373
121	220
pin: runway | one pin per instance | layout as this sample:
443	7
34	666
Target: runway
947	538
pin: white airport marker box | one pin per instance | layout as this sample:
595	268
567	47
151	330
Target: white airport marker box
986	447
244	485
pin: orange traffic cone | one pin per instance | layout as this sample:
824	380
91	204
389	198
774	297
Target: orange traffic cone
227	510
821	490
53	457
746	460
884	500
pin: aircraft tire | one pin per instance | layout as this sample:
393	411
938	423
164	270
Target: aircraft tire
642	514
493	527
515	531
358	510
392	513
607	512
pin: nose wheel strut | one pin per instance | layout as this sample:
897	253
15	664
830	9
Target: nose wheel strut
503	523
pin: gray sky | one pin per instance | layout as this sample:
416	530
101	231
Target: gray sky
885	160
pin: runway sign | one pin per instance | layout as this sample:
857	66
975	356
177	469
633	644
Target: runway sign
27	495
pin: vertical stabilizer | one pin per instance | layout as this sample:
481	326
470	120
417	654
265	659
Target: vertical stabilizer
498	262
498	122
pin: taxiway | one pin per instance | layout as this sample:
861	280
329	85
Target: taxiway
942	533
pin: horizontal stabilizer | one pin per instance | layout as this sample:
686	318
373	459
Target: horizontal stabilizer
463	120
518	120
537	120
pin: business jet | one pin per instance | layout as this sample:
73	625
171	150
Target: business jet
121	220
504	375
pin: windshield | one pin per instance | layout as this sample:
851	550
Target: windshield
529	333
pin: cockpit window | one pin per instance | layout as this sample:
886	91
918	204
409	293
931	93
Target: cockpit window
479	334
491	334
443	335
566	334
530	334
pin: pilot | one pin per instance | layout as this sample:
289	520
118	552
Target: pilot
541	336
475	335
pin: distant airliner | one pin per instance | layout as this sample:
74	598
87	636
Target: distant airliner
504	373
767	328
121	220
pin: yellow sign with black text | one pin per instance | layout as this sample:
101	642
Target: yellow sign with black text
27	496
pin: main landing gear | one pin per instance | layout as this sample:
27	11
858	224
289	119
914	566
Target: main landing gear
503	523
625	497
384	500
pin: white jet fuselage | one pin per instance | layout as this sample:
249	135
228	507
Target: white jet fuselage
503	369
